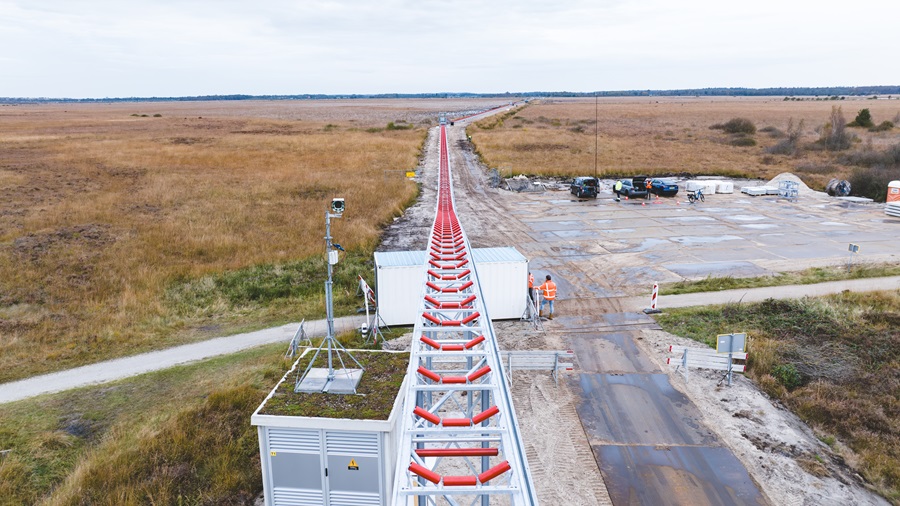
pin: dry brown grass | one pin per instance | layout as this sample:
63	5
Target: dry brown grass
671	135
101	210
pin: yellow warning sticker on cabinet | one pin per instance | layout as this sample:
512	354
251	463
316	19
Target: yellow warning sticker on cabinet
352	465
272	453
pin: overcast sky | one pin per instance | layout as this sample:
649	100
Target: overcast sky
140	48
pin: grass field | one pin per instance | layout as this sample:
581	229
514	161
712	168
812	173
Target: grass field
123	231
672	135
804	277
832	360
180	436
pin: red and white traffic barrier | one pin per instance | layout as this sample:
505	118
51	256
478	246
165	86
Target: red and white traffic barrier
653	299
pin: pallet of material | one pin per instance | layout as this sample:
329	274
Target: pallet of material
754	191
892	210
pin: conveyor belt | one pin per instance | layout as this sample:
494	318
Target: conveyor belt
459	439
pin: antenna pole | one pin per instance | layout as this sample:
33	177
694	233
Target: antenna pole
596	132
329	310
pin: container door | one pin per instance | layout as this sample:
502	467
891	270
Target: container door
354	468
295	460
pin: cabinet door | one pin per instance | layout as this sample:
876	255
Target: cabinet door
297	471
354	470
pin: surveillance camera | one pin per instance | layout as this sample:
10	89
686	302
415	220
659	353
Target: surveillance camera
337	206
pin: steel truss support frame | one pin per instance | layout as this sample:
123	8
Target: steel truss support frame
460	441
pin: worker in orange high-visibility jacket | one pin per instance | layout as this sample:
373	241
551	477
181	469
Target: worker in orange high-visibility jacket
531	286
548	292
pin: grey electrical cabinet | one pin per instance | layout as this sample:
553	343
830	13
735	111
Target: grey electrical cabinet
318	466
314	461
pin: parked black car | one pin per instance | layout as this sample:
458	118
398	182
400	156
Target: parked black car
584	187
662	188
634	187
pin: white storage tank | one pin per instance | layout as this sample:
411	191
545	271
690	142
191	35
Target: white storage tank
725	187
400	282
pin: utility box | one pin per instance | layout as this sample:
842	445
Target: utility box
400	283
338	460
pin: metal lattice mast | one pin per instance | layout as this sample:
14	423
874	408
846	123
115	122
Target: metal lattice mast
459	440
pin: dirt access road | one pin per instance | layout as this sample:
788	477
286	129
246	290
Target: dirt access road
654	438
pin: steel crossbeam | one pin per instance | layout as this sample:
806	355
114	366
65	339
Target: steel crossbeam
459	439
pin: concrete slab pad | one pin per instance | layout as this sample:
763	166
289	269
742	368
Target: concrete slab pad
690	219
569	234
745	253
675	476
637	409
695	240
541	226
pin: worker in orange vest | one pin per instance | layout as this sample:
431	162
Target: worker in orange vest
548	291
531	286
649	185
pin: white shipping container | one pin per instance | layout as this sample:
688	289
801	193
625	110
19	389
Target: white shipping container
400	283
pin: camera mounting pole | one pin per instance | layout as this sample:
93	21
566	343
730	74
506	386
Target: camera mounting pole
342	380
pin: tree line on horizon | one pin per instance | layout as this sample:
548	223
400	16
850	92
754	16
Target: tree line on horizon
695	92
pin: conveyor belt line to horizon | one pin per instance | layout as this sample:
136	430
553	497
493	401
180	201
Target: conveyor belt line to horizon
459	437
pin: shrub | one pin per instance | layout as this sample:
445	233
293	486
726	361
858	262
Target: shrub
870	158
743	141
833	135
789	145
787	375
863	119
883	127
872	182
783	147
157	115
393	126
739	126
773	132
816	168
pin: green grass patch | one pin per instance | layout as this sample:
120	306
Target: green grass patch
804	277
296	288
375	397
835	361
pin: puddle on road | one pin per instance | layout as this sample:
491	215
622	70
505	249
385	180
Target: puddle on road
834	224
760	226
645	245
568	234
689	219
694	240
745	217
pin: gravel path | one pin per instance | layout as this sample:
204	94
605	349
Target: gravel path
759	294
111	370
